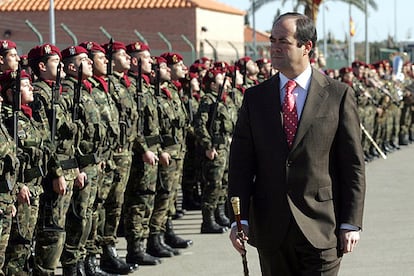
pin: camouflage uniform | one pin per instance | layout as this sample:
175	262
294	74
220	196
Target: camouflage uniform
219	138
8	170
113	193
88	155
141	188
32	168
50	235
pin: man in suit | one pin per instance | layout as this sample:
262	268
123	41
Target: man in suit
300	177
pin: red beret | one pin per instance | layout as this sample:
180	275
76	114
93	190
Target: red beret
159	60
6	45
137	46
202	60
242	61
345	70
262	61
92	46
73	51
197	67
233	69
24	60
211	76
358	63
116	46
172	58
44	50
221	65
8	77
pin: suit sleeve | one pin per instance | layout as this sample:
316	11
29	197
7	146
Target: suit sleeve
351	163
242	160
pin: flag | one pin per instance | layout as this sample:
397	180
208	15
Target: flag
351	27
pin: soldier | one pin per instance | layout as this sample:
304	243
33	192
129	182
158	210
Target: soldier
110	120
57	125
181	124
9	59
31	156
265	69
249	70
237	91
213	132
77	97
8	172
112	193
141	187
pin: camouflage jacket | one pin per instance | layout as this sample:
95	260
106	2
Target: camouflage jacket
9	165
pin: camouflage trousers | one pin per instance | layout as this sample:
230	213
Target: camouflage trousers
139	199
213	174
167	180
50	240
22	234
177	177
110	214
6	205
79	218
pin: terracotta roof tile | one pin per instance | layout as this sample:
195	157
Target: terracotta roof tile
260	36
43	5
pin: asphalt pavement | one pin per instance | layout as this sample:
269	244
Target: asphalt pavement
387	240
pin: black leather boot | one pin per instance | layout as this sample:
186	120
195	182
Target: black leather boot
69	270
221	217
80	268
209	224
137	255
112	263
172	239
155	247
175	252
92	268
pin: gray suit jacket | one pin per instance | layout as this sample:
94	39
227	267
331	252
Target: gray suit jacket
320	182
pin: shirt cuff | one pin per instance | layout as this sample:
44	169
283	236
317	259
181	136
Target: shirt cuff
351	227
243	221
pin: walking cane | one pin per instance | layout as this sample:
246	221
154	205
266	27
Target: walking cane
235	202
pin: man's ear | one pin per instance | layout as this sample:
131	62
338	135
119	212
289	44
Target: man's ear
72	67
308	46
1	60
42	66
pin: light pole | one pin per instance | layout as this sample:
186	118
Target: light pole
52	36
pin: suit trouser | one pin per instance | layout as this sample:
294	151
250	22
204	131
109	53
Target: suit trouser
296	256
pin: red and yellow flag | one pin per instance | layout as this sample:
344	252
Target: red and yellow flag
351	27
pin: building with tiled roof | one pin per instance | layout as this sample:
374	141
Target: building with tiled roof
177	25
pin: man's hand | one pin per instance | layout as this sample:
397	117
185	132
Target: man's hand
165	159
211	153
150	158
348	240
81	180
59	185
237	241
24	195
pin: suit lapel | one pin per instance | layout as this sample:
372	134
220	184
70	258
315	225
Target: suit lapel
316	96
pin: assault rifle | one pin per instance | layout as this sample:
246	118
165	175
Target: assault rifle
138	92
77	95
55	96
109	52
215	107
17	106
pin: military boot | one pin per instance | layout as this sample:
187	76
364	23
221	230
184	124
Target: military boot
209	224
69	270
155	247
175	251
136	254
172	239
112	263
92	268
221	217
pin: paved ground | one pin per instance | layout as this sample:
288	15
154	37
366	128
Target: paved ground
386	247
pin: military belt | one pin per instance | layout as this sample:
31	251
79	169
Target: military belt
69	164
219	140
5	186
89	159
169	140
153	140
32	173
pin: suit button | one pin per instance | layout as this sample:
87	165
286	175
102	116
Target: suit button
288	163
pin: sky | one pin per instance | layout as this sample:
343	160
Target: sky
392	18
